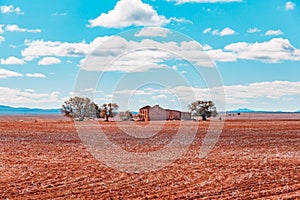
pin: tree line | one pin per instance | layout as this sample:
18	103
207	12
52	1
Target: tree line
80	108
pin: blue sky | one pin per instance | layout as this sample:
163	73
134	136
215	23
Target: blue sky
253	47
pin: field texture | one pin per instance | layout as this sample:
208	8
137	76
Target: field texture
44	158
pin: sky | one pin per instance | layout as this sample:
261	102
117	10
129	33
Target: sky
240	53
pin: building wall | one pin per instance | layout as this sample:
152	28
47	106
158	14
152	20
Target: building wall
173	115
157	113
144	114
185	116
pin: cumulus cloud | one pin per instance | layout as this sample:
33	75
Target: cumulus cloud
274	32
36	48
12	61
35	75
10	9
111	47
207	30
153	32
222	56
204	1
6	73
226	31
49	61
274	50
160	96
290	5
2	39
275	91
143	55
16	28
235	95
253	30
139	14
18	97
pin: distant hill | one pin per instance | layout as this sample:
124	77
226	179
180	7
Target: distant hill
7	110
246	110
241	110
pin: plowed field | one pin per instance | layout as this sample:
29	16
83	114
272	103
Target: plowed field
44	158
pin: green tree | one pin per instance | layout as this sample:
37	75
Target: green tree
79	108
205	109
108	110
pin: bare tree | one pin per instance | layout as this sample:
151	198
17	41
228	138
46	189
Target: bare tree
80	108
204	109
108	110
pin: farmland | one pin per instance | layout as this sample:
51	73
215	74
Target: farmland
42	157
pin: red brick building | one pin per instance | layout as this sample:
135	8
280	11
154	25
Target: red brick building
156	113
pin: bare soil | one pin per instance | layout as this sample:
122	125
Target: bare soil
44	158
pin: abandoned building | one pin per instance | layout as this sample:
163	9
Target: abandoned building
156	113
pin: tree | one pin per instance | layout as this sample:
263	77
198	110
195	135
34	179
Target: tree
108	110
79	108
204	109
126	116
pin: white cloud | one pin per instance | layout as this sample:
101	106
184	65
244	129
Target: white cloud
206	47
290	5
274	32
269	90
35	75
272	51
2	39
18	97
59	14
12	61
179	20
253	30
207	30
10	9
236	94
205	1
161	96
222	56
153	32
143	55
1	28
138	60
29	90
275	50
16	28
215	32
6	73
38	48
49	61
139	14
227	31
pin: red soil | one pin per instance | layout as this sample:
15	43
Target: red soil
43	157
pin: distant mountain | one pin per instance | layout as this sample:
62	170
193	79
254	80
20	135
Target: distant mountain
7	110
246	110
241	110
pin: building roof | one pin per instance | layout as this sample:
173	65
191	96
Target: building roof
146	107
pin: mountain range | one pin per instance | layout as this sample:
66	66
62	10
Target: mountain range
8	110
